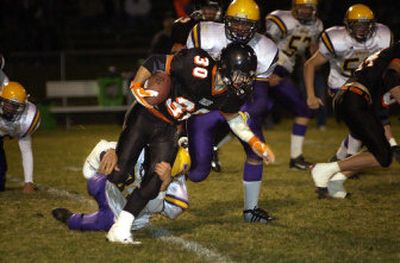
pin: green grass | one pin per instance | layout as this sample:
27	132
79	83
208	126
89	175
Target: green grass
364	228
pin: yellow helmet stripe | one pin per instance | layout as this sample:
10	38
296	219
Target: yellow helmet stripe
279	23
177	202
34	123
196	36
327	41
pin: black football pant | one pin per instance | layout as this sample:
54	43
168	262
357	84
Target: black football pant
142	129
363	123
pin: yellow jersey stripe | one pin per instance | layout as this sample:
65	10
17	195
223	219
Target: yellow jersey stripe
327	42
196	36
176	202
279	23
34	123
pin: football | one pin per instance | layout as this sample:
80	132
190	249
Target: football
160	82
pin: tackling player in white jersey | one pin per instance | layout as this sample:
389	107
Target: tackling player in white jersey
295	31
19	119
345	47
101	161
241	23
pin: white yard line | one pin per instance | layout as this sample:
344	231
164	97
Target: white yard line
159	233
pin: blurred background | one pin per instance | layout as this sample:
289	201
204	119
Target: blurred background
44	40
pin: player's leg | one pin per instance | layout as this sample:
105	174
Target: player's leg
201	131
3	166
289	95
101	220
257	108
354	110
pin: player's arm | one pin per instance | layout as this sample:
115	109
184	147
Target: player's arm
309	74
25	146
238	124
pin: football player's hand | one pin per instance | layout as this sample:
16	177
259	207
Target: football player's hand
108	162
140	94
163	170
263	150
274	80
314	102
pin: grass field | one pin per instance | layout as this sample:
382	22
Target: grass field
365	228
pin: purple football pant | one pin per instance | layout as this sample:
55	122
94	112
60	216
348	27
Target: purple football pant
103	219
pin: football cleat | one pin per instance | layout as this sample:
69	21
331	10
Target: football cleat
299	163
61	214
256	215
215	163
117	234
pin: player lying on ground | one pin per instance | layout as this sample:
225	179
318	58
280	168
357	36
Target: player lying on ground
100	162
378	74
199	84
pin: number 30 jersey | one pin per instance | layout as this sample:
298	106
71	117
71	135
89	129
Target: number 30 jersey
194	88
292	37
345	53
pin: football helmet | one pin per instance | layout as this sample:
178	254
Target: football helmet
182	162
13	100
237	67
360	22
241	20
305	10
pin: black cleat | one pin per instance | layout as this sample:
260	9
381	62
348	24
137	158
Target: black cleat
215	163
322	193
299	163
256	215
61	214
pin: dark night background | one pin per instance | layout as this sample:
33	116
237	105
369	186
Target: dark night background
69	39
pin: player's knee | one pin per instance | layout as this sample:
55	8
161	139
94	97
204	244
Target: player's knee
384	157
199	173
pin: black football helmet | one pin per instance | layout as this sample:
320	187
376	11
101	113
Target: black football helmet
237	67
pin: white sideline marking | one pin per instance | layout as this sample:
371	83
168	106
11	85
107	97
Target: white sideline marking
159	233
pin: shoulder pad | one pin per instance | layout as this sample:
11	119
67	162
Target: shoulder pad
266	51
30	120
384	35
333	39
283	19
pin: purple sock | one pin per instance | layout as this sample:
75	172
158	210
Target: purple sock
252	172
299	129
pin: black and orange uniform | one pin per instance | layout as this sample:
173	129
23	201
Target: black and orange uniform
356	102
193	91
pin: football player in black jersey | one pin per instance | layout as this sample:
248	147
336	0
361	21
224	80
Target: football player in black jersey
354	104
199	84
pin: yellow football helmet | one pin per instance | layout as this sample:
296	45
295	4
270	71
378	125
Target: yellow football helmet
241	20
13	99
182	162
360	22
305	10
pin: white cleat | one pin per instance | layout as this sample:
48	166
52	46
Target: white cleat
335	186
117	234
321	173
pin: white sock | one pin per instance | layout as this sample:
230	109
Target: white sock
392	142
296	146
342	151
354	145
251	191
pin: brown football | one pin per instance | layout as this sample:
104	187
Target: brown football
160	82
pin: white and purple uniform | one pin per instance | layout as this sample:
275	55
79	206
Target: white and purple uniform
111	200
210	36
